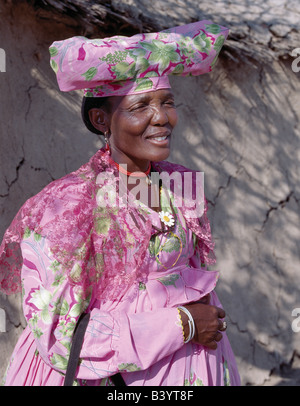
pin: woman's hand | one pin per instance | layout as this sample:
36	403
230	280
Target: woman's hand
208	323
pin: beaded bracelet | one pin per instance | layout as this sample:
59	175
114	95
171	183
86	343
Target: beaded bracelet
190	322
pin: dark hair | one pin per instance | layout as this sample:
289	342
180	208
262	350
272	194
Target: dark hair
89	103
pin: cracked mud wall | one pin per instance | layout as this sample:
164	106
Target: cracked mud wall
239	125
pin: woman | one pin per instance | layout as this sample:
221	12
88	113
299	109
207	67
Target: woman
114	238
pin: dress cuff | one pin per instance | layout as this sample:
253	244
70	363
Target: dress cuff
146	338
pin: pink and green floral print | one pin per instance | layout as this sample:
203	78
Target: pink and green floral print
139	335
127	65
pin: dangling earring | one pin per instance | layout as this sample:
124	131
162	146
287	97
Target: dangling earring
106	137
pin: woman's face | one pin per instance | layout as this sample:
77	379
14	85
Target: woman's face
141	128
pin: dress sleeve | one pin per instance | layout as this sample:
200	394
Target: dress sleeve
114	341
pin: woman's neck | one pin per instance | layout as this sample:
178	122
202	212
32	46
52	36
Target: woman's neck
136	165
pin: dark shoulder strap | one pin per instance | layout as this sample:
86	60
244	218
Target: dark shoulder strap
75	353
76	348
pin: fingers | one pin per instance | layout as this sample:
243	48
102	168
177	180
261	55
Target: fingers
213	345
217	328
209	323
221	313
218	336
222	325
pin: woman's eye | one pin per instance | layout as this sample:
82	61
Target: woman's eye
170	103
137	107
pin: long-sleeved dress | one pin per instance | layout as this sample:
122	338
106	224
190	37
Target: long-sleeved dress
140	335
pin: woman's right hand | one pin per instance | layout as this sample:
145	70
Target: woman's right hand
208	323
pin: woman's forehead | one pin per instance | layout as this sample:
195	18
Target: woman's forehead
148	96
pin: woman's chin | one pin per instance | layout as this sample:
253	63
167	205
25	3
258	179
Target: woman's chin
160	155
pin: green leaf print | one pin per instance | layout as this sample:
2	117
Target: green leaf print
114	58
54	65
78	307
142	286
123	70
37	333
76	272
53	51
203	43
27	233
143	84
45	316
154	246
193	380
90	73
128	367
34	319
182	234
102	225
178	69
169	280
37	237
219	43
67	344
59	361
161	53
75	310
173	244
142	64
61	307
213	28
195	241
151	74
55	266
137	53
58	280
41	299
226	374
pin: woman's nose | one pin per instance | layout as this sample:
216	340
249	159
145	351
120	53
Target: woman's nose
159	116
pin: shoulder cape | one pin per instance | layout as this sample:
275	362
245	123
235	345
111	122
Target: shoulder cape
99	249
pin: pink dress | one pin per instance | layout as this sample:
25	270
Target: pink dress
139	335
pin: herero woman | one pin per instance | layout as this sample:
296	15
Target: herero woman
111	240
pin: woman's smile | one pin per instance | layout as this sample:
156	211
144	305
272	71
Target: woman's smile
162	138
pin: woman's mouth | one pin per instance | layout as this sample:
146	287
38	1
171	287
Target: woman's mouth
159	139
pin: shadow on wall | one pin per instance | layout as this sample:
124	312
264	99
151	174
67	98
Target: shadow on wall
240	126
243	132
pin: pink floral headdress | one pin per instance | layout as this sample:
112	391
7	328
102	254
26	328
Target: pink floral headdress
121	65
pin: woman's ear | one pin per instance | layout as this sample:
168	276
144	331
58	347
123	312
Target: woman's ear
99	119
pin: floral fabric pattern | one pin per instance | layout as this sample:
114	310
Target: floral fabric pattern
119	330
126	65
99	248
